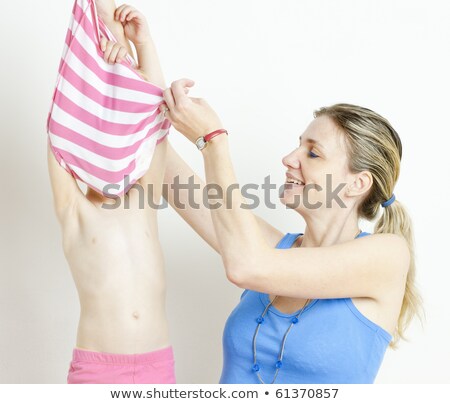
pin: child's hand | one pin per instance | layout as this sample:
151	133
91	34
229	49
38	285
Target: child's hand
113	52
134	24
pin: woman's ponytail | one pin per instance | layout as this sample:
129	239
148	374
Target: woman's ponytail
395	220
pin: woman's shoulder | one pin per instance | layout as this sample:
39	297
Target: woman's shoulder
389	254
387	243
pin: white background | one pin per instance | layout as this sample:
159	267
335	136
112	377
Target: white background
264	66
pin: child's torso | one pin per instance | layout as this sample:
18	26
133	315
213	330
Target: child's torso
118	267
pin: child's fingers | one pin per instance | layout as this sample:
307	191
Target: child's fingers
118	11
121	55
123	14
114	52
103	42
133	14
108	50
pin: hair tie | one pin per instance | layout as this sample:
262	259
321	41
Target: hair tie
390	201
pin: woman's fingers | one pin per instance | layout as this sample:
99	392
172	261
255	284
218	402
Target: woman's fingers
190	116
168	98
176	98
179	90
166	111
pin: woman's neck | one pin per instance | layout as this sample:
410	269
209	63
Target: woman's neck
323	232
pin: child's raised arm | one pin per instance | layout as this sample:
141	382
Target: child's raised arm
136	29
106	10
65	188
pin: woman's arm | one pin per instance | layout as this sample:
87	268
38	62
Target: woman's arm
359	268
192	208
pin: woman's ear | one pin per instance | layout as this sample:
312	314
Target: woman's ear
361	184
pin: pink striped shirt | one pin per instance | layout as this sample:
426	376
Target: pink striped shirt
104	121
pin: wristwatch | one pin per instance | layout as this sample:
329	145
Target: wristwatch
203	141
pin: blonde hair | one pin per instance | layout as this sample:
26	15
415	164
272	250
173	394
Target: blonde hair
374	145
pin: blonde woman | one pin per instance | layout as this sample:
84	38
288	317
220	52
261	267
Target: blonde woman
324	305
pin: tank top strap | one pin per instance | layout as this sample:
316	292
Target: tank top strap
288	240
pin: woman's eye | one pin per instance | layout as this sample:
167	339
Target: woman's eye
311	154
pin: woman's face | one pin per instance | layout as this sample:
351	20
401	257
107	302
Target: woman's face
317	170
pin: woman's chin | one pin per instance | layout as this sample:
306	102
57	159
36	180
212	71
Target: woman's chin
291	200
298	203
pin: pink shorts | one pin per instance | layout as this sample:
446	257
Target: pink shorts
88	367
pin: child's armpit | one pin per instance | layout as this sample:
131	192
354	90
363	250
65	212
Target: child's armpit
142	73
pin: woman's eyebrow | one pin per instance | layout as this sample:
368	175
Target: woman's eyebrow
314	142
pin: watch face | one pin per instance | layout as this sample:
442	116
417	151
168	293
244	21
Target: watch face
201	144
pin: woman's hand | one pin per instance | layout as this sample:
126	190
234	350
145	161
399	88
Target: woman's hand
192	117
113	52
134	24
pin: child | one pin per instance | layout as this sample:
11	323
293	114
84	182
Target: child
114	254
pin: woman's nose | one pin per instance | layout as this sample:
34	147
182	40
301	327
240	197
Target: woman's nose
291	160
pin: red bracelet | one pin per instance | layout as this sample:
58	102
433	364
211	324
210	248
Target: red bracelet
209	136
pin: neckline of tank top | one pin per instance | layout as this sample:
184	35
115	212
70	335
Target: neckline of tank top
361	234
264	297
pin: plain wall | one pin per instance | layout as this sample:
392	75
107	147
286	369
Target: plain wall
264	66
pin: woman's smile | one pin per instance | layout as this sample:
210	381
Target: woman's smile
293	181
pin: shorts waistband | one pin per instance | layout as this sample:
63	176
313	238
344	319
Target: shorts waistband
142	358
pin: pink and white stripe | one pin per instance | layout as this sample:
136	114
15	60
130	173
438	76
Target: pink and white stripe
104	122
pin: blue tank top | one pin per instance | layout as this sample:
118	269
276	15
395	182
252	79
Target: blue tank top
333	342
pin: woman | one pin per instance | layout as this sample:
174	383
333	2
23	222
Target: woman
323	306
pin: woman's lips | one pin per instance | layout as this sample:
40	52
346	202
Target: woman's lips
293	178
291	185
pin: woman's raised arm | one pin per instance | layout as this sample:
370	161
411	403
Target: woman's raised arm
358	268
194	211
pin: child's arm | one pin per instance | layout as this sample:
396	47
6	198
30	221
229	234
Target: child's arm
136	29
65	188
105	10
